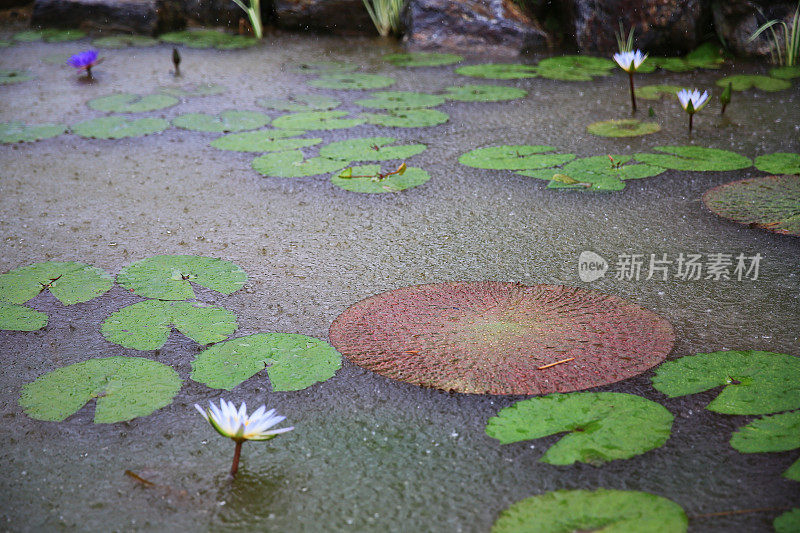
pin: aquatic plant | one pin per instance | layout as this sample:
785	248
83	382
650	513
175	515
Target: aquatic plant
385	15
630	63
698	158
69	282
624	44
239	427
376	177
743	82
119	127
692	102
369	179
253	12
422	59
14	76
14	132
776	433
622	128
725	97
85	61
14	317
170	277
791	39
176	61
370	149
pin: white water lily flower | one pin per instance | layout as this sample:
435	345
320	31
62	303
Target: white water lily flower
235	424
630	61
692	101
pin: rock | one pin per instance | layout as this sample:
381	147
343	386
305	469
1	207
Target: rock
670	27
337	16
471	25
134	16
736	20
8	4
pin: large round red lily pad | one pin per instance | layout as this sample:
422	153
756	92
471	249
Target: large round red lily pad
500	338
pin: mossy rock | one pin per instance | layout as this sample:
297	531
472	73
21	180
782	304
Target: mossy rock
483	93
407	118
293	164
514	157
695	158
785	73
317	120
132	103
365	179
622	128
263	141
574	67
779	163
300	103
208	39
393	100
656	92
352	81
8	76
49	35
14	317
370	149
15	132
422	59
124	41
225	122
119	127
743	82
499	71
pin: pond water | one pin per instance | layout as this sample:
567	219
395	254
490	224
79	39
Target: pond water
368	453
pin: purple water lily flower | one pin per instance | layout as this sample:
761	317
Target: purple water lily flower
84	61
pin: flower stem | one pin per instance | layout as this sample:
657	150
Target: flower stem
691	116
89	73
236	454
633	95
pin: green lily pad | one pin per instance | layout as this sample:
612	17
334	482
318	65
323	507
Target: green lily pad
147	325
609	511
412	177
263	141
132	103
169	277
370	149
407	118
707	55
69	282
672	64
125	388
316	120
49	35
15	317
208	39
293	164
5	44
192	90
292	361
788	522
483	93
15	132
119	127
779	163
743	82
656	92
422	59
785	73
225	122
574	68
14	76
756	383
598	171
401	100
124	41
352	81
323	67
695	158
622	128
776	433
300	103
499	71
517	157
601	426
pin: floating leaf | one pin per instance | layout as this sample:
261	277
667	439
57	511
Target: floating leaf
412	177
785	73
743	82
352	81
695	158
407	118
208	39
779	163
603	172
49	35
124	41
146	325
770	202
574	68
298	103
401	100
370	149
15	317
655	92
600	426
622	128
788	522
292	164
499	71
14	76
776	433
125	388
483	93
223	123
323	67
317	120
292	361
192	90
672	64
422	59
263	141
119	127
517	157
501	338
14	132
69	282
132	103
756	383
169	277
609	511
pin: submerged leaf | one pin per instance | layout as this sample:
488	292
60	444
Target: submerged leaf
119	127
193	90
370	149
499	71
352	81
622	128
15	317
695	158
743	82
70	282
298	103
208	39
516	157
655	92
263	141
14	76
132	103
422	59
368	183
225	122
169	277
574	67
15	132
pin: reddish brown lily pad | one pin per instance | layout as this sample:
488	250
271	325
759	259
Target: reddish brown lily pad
771	203
494	338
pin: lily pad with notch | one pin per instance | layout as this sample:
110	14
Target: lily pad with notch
755	382
370	149
292	361
422	59
514	157
208	39
293	164
227	121
299	103
8	76
597	173
317	120
743	82
400	100
656	92
695	158
125	41
49	35
14	317
366	179
169	277
499	71
609	511
15	132
622	128
600	426
124	387
69	282
788	522
776	433
352	81
132	103
407	118
147	325
263	141
779	163
116	127
574	67
484	93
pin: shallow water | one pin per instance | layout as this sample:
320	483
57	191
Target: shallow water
368	453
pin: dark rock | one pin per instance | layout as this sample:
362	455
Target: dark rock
8	4
472	25
670	27
736	20
134	16
337	16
